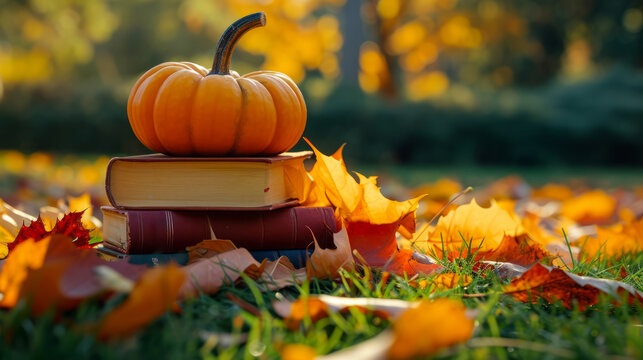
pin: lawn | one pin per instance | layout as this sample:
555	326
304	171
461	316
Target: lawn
242	322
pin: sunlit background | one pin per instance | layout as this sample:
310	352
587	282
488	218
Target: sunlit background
451	85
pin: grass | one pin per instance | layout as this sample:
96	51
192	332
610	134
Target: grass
212	327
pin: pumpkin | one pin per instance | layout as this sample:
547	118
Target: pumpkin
179	108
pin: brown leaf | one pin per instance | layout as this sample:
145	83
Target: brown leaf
209	274
554	284
209	248
328	262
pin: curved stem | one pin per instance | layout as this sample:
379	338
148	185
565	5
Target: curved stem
229	39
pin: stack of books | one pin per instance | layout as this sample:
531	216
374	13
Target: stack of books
163	204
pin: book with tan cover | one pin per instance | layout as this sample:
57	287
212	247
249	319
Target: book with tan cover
158	181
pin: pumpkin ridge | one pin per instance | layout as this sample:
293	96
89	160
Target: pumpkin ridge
145	92
240	118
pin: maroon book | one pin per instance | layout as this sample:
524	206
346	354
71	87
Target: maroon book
171	231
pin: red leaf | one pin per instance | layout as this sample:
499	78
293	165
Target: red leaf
72	226
36	230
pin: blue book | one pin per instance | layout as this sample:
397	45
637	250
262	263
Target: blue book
297	257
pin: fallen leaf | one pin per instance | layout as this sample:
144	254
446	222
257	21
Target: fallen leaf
155	293
615	241
208	248
592	207
297	352
552	191
28	256
520	250
328	262
209	274
482	228
70	225
429	327
554	284
445	281
302	308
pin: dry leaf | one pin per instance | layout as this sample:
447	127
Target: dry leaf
297	352
156	292
328	262
552	191
209	274
614	241
28	256
445	281
554	284
208	248
340	187
429	327
592	207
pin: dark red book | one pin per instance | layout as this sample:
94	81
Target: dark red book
170	231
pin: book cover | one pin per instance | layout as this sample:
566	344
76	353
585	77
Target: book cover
168	231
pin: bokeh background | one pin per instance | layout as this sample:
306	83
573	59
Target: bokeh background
445	84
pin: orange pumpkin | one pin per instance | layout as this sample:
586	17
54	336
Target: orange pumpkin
179	108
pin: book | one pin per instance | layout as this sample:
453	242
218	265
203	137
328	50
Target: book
159	181
169	231
296	256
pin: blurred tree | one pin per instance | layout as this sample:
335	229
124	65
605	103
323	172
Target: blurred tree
426	45
300	35
43	37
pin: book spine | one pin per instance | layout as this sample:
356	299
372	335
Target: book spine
170	231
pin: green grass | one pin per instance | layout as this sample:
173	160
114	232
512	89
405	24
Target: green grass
215	327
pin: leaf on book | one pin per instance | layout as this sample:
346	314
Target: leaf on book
340	187
209	274
554	284
208	248
327	262
155	293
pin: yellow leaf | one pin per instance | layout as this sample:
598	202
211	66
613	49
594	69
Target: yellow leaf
340	187
591	207
483	228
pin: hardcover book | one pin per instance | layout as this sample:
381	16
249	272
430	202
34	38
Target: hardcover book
200	183
170	231
296	257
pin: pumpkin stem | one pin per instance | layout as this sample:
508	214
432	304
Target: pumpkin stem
229	39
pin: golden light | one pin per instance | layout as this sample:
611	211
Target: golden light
418	58
428	85
407	37
371	59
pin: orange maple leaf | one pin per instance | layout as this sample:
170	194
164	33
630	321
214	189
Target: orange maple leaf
155	293
592	207
617	240
430	327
